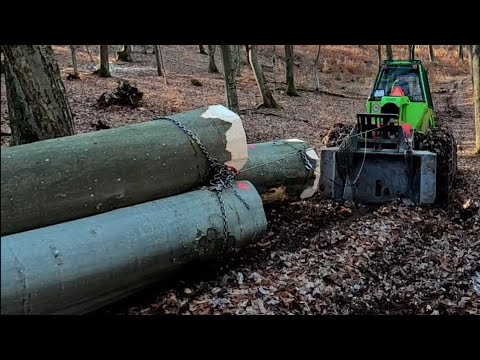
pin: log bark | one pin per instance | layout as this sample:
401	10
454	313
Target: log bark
57	180
80	266
277	170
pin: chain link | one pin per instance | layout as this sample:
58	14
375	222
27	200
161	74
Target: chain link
219	176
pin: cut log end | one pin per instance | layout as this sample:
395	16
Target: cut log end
235	136
309	191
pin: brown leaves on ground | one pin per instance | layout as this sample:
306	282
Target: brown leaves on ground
318	256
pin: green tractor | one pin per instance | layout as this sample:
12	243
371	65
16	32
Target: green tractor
396	148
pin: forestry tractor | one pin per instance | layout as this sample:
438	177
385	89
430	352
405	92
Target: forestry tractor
396	148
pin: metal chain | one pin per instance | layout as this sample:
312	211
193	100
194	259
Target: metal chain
221	176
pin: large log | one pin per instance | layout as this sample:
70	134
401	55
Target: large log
57	180
277	170
82	265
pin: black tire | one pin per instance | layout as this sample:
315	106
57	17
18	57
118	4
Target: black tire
441	141
337	133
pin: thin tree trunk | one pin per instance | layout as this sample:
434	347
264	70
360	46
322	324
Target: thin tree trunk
145	49
104	70
431	54
379	52
476	93
37	102
157	57
163	64
89	54
274	56
315	69
411	52
212	67
267	99
229	75
470	59
236	59
289	70
389	52
460	51
201	50
125	54
74	60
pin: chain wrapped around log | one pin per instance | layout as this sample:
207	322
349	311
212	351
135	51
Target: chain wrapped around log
282	170
82	265
57	180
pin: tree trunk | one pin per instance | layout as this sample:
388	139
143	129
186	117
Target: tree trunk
212	67
79	266
59	180
157	58
289	70
104	70
411	52
379	52
145	49
237	60
201	50
162	64
315	69
470	59
389	52
267	99
37	102
125	54
431	54
460	51
229	75
476	93
89	54
274	56
74	60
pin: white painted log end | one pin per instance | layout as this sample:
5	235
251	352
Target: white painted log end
308	192
235	136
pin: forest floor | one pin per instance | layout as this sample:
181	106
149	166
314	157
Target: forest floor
318	256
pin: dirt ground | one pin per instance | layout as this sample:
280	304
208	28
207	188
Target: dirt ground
318	256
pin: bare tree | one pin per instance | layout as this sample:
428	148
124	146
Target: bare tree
431	54
267	98
315	69
38	107
460	51
212	67
411	52
74	61
89	54
125	54
379	53
162	64
476	93
389	52
289	70
157	58
237	63
104	70
145	49
229	75
201	50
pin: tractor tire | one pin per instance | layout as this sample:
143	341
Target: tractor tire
441	141
337	134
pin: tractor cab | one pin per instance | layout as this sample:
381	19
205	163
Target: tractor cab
401	88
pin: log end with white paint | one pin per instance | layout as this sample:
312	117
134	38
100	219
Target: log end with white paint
235	136
309	191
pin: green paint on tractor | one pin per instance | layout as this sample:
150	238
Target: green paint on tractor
401	87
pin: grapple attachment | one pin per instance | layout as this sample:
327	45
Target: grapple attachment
377	163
